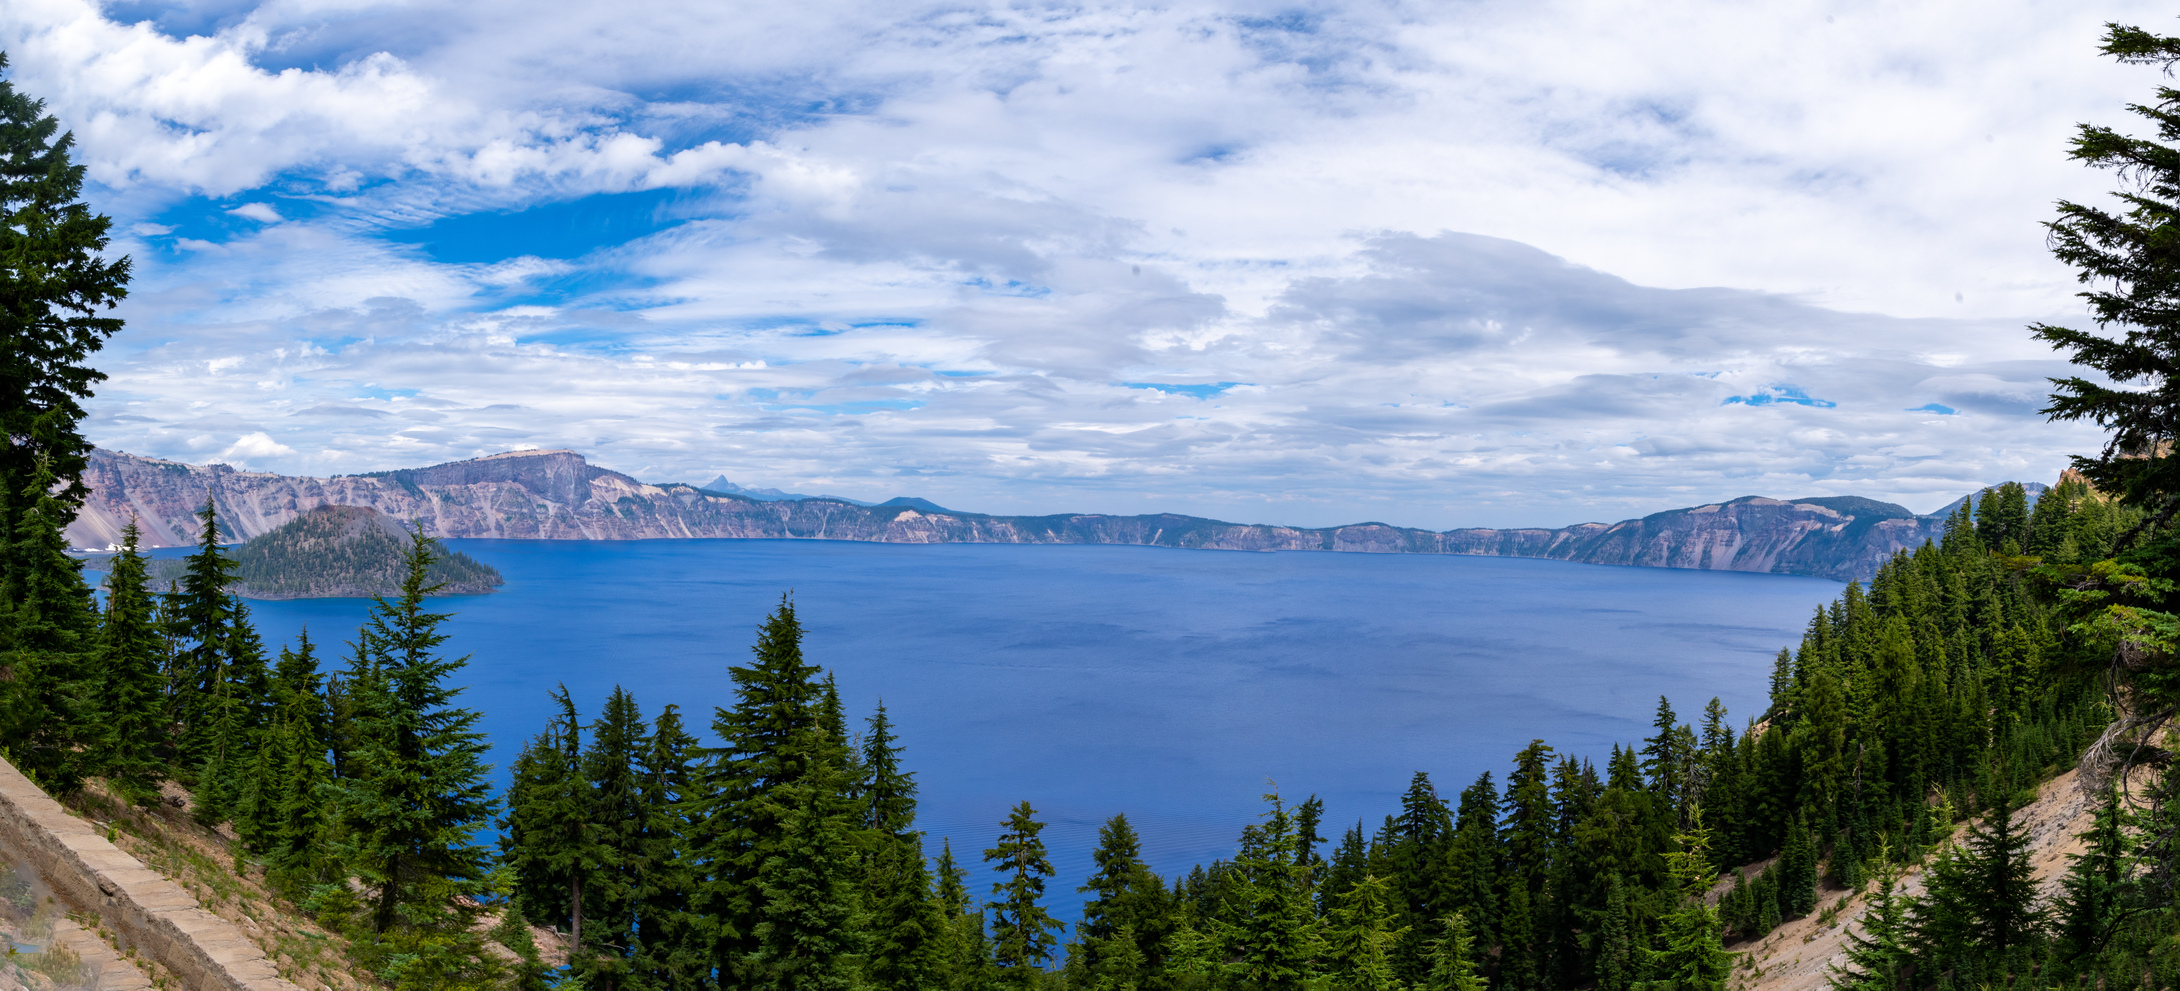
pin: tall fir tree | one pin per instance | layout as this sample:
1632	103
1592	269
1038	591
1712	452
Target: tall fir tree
1126	897
1361	938
418	792
1692	955
906	925
203	614
48	698
966	962
612	769
1453	958
772	820
667	954
132	686
1880	954
1270	938
1022	930
54	283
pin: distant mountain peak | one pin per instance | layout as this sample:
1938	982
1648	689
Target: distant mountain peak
920	505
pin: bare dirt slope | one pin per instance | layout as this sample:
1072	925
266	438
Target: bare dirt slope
1800	955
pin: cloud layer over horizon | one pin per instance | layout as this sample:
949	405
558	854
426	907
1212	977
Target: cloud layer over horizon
1433	264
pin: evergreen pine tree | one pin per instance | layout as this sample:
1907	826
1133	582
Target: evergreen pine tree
1453	965
203	616
805	934
1979	901
1797	869
294	850
1362	937
1617	961
1022	931
667	955
1880	954
907	925
2098	892
966	953
418	793
618	815
1124	895
51	288
1270	937
772	741
1693	956
132	688
47	698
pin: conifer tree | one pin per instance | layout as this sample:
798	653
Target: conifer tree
1362	937
1453	964
805	934
617	816
769	740
295	848
418	794
47	700
55	282
525	841
1797	868
1124	895
889	795
908	925
1693	956
2099	893
666	953
1309	817
1880	954
2122	256
966	953
1979	902
1270	939
204	624
1022	930
132	687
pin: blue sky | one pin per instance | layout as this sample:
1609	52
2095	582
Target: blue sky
1435	263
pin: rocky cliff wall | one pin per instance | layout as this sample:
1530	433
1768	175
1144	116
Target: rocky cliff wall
556	495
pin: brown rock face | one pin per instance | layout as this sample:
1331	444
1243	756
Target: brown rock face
556	495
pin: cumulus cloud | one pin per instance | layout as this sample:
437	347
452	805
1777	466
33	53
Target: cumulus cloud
1495	263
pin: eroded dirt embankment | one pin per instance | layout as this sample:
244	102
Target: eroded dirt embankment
1800	955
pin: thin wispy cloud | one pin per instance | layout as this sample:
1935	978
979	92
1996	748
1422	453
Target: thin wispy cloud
1439	264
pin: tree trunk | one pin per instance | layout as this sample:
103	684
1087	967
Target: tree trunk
575	913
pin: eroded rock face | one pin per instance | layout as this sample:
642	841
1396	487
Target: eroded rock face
556	495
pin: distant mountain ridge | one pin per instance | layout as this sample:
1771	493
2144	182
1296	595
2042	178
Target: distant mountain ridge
557	495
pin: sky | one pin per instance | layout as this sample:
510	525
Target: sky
1439	263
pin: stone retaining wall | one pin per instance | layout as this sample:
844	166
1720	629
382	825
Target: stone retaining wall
153	916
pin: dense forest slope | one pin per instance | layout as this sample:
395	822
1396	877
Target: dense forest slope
556	495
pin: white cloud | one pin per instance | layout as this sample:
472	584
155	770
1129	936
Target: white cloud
254	445
923	246
260	212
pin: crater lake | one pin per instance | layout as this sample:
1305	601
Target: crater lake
1177	686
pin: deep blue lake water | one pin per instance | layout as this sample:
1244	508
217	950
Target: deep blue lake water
1171	685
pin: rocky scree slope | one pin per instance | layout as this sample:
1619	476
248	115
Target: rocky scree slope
556	495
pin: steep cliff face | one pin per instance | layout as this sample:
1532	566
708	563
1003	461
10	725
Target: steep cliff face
556	495
1751	533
